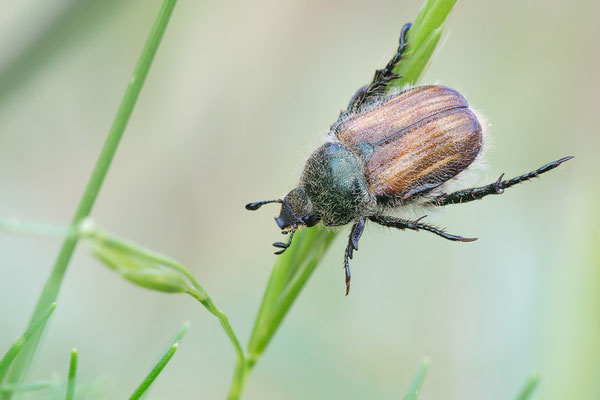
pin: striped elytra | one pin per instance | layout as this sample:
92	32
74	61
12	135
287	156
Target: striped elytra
414	142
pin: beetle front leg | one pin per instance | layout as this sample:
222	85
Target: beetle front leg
382	77
355	234
398	223
285	246
466	195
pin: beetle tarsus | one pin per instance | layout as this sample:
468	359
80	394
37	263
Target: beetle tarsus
355	234
382	77
498	187
347	271
398	223
284	246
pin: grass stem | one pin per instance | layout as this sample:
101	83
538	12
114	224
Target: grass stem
54	282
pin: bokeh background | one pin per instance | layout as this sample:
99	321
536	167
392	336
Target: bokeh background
238	96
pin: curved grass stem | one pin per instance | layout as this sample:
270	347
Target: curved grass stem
54	282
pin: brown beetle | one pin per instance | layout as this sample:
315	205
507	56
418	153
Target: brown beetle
387	151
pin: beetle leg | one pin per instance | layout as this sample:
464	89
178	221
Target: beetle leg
393	222
466	195
355	234
284	246
382	76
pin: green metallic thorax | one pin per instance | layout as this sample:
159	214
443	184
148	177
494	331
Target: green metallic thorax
334	181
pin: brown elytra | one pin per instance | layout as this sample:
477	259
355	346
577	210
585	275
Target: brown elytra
420	139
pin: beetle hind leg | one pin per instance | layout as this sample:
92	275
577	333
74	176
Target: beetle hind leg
355	234
466	195
382	76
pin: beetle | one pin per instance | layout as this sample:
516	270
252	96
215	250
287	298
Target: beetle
387	151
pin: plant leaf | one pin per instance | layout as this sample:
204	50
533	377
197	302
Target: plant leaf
415	388
160	365
529	387
32	329
54	282
72	375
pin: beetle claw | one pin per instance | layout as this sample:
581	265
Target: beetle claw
420	218
497	187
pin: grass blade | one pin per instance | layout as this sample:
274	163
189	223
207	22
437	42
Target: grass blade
421	41
16	348
415	388
529	387
72	375
9	389
160	365
94	184
311	246
135	256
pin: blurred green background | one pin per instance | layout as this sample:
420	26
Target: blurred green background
239	95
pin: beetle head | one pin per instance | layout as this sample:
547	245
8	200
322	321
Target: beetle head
296	209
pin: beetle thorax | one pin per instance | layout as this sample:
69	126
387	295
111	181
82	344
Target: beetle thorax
334	182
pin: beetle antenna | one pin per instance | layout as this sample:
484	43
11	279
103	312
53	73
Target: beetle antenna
257	204
284	246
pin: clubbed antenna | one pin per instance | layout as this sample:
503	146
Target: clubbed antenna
258	204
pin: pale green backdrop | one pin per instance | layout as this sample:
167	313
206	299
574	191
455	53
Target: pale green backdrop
238	96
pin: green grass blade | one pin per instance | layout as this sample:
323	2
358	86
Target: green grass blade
421	41
415	388
529	387
9	389
160	365
141	272
72	375
414	67
311	246
16	348
14	226
94	184
148	269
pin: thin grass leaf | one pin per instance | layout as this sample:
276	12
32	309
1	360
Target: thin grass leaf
14	226
142	272
415	388
72	375
311	246
139	265
6	389
94	184
160	365
155	271
413	68
421	41
16	348
529	387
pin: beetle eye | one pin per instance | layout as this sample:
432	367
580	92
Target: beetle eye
311	220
